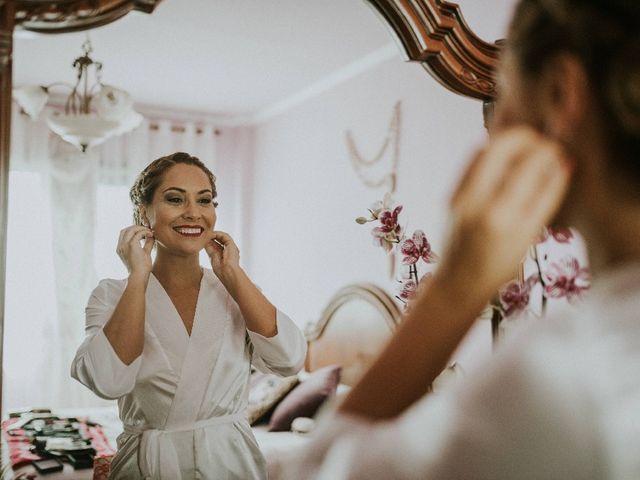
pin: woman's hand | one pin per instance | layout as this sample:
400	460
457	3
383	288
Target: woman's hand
258	313
512	188
136	257
224	255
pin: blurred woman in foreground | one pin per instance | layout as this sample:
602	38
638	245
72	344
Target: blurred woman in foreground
560	399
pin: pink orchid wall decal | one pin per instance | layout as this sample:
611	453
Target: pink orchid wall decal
408	290
565	278
515	296
389	234
417	247
559	234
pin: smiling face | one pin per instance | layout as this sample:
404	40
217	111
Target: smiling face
182	210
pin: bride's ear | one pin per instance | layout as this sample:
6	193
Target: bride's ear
142	215
565	95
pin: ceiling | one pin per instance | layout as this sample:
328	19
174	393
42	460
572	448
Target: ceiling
228	58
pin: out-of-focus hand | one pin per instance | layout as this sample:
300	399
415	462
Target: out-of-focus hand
511	189
223	253
135	255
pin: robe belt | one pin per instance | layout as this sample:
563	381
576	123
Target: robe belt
153	447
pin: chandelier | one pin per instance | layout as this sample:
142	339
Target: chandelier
93	112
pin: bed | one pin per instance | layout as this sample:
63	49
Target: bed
353	328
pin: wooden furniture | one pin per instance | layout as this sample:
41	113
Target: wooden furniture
353	328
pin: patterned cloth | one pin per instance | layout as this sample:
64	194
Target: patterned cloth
19	445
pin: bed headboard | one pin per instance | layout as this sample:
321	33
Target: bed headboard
352	330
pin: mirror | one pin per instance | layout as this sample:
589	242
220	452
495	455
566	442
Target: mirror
276	85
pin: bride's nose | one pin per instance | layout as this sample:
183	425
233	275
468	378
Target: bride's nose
191	211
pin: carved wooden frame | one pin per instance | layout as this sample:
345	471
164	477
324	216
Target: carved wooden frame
7	18
434	33
72	15
353	341
370	293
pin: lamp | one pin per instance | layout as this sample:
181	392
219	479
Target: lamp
92	112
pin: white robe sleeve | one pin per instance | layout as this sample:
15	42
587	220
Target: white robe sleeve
282	354
529	417
96	365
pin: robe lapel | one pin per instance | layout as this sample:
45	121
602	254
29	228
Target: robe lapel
166	325
209	328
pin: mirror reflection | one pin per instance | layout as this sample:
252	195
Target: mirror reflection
303	111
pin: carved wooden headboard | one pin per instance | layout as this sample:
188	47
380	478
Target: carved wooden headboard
352	330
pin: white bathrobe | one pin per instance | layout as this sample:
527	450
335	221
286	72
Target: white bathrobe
182	401
560	400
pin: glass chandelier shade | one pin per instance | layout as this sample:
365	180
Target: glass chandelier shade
92	112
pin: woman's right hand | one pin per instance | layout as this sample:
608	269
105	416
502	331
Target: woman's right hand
511	190
136	257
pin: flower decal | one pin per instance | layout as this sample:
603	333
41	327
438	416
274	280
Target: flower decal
560	235
514	296
379	206
417	247
389	234
408	290
389	231
566	279
410	287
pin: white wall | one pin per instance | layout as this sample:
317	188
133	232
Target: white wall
303	241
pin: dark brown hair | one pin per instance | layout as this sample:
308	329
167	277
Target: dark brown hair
604	35
145	186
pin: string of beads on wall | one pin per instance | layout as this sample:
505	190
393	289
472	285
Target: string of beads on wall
372	172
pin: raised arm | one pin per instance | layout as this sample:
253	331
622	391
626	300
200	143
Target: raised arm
125	328
258	312
277	344
511	189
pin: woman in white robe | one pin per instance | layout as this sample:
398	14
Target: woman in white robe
174	343
561	399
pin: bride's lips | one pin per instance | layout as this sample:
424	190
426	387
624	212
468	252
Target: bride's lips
189	230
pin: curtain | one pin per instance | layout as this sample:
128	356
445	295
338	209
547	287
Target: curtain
60	200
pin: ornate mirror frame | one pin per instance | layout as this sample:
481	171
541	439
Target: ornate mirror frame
431	32
434	33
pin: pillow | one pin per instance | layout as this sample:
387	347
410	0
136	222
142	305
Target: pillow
265	390
306	398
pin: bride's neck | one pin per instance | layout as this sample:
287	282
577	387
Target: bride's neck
177	270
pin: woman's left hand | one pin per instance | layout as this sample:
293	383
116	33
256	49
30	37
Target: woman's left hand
224	254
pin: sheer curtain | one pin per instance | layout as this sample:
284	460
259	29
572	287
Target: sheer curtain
65	212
